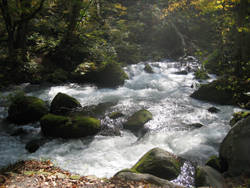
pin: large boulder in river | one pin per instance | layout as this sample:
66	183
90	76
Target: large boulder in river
209	92
26	110
235	150
111	75
148	68
63	103
206	176
137	120
159	163
66	127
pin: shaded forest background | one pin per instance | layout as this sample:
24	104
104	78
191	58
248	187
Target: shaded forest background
59	40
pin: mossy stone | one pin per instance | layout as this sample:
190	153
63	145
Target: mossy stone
137	120
148	68
115	115
26	110
159	163
216	163
63	101
239	116
66	127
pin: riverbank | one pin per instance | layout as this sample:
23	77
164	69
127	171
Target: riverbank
34	173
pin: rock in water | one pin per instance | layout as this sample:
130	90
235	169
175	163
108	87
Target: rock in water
137	120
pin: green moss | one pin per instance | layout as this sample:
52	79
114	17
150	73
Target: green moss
239	116
148	68
115	115
138	119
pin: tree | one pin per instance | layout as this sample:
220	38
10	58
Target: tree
17	15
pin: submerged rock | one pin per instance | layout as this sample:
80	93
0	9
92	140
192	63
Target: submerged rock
34	145
66	127
196	125
63	103
137	120
26	110
159	163
235	150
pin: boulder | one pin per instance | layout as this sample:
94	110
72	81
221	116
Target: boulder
137	120
63	103
213	110
84	72
109	130
148	68
216	163
148	178
66	127
34	145
210	93
18	132
182	72
235	150
159	163
206	176
237	116
26	110
111	75
115	115
196	125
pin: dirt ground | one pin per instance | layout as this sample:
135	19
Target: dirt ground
41	174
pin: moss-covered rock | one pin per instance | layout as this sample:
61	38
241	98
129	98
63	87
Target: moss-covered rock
210	92
26	110
137	120
115	115
62	103
148	68
159	163
237	116
66	127
206	176
213	110
234	149
84	72
216	163
111	75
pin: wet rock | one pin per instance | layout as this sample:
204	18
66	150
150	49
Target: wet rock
147	177
115	115
109	130
66	127
26	110
238	116
213	110
148	68
206	176
111	75
159	163
182	72
34	145
18	132
216	163
196	125
209	92
235	150
137	120
63	103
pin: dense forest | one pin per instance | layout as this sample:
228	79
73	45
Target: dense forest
54	40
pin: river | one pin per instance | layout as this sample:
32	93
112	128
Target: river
164	93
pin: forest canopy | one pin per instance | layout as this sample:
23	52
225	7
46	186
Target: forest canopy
46	37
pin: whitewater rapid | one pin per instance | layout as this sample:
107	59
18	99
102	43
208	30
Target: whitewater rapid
164	93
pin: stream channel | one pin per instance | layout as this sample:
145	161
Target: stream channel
164	93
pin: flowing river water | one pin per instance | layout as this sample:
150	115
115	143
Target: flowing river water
164	93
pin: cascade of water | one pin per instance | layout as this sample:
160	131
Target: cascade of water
163	93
